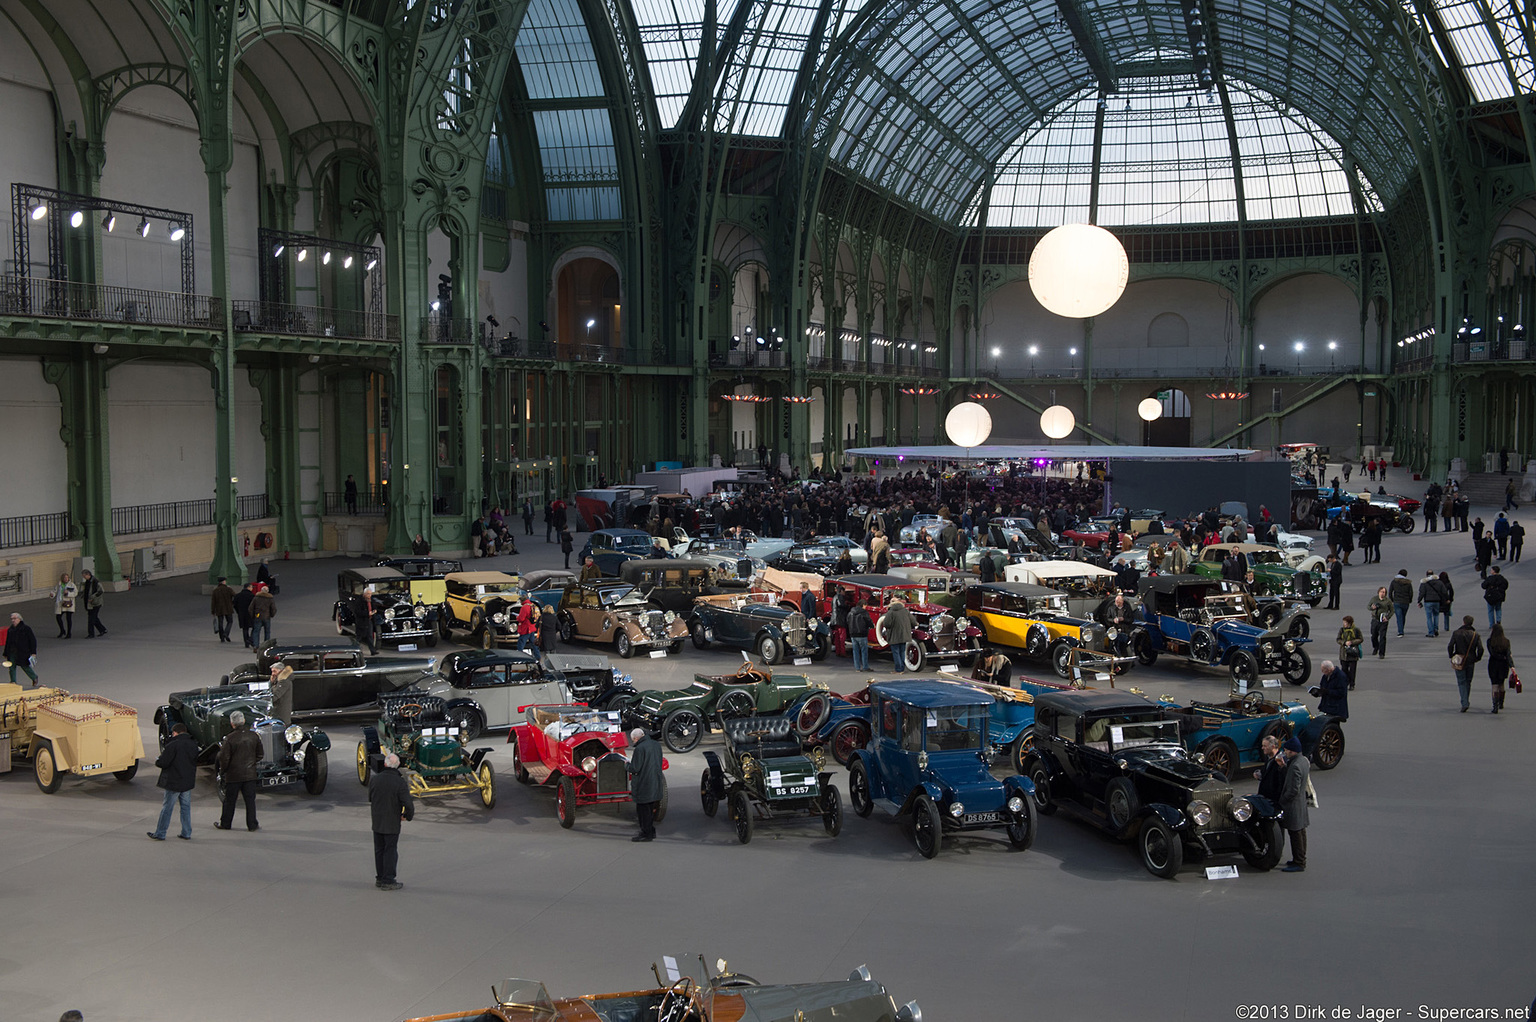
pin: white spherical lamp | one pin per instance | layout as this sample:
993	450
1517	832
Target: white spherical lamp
968	424
1057	422
1149	409
1078	270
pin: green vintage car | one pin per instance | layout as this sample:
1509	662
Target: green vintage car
685	715
290	753
1272	576
763	775
433	750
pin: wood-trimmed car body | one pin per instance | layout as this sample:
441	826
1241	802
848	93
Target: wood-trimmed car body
579	752
484	604
290	753
616	613
397	619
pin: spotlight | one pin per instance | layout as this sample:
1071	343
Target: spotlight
76	218
144	227
313	359
591	323
100	349
278	249
325	260
436	306
109	221
1034	349
303	254
371	264
38	210
178	232
346	264
492	321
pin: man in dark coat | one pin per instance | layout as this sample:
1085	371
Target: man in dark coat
239	753
1271	776
1516	540
1293	802
1332	691
242	607
178	776
1468	646
898	632
21	648
1335	581
646	785
389	800
362	619
1495	588
282	692
222	607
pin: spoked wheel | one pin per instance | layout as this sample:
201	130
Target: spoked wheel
1330	747
741	816
832	811
623	646
847	738
1141	645
813	713
1021	747
927	830
1161	851
736	704
1298	666
858	789
518	769
486	775
682	730
1037	774
364	768
565	802
707	797
567	630
1221	757
1021	828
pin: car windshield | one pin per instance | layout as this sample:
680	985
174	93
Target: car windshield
1142	732
525	995
618	596
954	728
492	588
397	586
911	594
811	553
632	544
1265	557
1048	604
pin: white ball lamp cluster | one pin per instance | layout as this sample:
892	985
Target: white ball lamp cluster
1150	409
1057	422
968	425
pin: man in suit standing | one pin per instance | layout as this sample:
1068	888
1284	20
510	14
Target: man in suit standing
1293	802
1335	580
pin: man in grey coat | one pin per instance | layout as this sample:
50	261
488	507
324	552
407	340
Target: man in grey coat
389	799
898	632
1293	801
646	785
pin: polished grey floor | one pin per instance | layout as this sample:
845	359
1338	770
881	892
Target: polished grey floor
1420	888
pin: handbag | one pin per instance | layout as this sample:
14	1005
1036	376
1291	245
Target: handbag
1514	680
1458	662
1311	794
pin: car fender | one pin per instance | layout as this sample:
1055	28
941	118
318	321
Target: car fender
1263	808
1018	784
472	703
876	782
319	740
823	779
163	716
1171	815
932	789
371	741
716	774
476	757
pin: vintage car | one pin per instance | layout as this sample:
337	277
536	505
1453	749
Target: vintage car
486	690
1088	587
1272	576
1357	511
579	752
610	548
1115	759
617	613
759	622
335	680
927	765
734	566
856	551
1207	621
762	775
485	604
592	678
546	587
999	531
946	586
684	715
427	575
434	753
1100	534
1035	619
686	992
938	637
396	619
61	733
1229	734
670	583
812	558
931	524
748	543
290	753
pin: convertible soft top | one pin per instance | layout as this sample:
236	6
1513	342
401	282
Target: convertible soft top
1057	569
480	578
1092	700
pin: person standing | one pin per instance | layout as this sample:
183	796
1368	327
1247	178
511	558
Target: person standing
898	632
1501	534
1335	581
859	625
1510	492
1495	589
362	620
646	784
21	648
549	627
64	596
566	546
1293	803
1271	776
1381	613
1465	649
589	571
420	546
178	776
91	597
1429	599
242	607
281	690
349	494
808	602
1516	540
527	627
221	605
263	610
1501	661
549	519
1447	594
840	619
1350	639
239	753
1332	691
389	802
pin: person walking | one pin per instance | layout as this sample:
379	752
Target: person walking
239	753
1429	598
566	546
898	632
549	628
263	610
389	802
91	598
349	494
221	605
1447	594
1501	534
1510	492
1332	691
859	625
362	619
1350	640
1501	661
527	627
549	519
242	606
646	784
1485	550
21	648
1293	803
1335	581
1495	589
1381	613
1516	540
64	596
178	776
1465	649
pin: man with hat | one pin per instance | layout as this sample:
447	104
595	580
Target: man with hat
1293	803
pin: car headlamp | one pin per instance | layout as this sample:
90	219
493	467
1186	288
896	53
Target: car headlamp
294	734
500	617
1242	809
669	617
1200	812
1015	804
1085	633
1290	645
957	809
1112	633
589	764
389	613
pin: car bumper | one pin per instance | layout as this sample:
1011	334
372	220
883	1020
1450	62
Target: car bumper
279	777
402	634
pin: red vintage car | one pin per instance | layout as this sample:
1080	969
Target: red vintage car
579	752
937	635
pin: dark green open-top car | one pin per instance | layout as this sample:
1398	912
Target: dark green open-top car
763	775
685	715
290	753
434	753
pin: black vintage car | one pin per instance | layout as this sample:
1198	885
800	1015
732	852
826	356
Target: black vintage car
1116	760
758	622
336	679
813	558
487	689
670	583
397	619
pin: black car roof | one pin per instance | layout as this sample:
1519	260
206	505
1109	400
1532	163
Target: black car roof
375	574
1019	588
1094	701
638	564
474	657
1168	583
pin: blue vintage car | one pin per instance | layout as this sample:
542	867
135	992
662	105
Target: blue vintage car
1229	734
610	548
927	765
1207	621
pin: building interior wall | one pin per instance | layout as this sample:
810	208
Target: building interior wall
35	461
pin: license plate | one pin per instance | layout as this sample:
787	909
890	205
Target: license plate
658	654
980	818
798	789
407	647
271	782
950	668
802	661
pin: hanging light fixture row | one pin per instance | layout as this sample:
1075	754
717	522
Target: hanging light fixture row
755	399
984	395
797	399
174	228
1228	395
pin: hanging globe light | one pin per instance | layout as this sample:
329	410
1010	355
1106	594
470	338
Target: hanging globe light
1078	270
968	425
1057	422
1149	409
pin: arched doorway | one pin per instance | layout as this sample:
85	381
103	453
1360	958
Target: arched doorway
1172	428
588	296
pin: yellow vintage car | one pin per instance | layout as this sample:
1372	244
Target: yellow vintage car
88	736
427	575
1034	619
484	603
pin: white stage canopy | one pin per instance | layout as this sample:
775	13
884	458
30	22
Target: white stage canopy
1060	452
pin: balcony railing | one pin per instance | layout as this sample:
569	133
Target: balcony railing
444	330
105	303
34	530
250	506
312	321
369	502
181	514
516	347
591	354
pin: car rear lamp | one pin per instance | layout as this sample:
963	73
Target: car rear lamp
1242	809
294	735
1200	812
1015	804
957	809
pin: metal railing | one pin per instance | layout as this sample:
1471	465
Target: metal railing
250	506
105	303
516	347
436	329
312	321
181	514
34	530
369	502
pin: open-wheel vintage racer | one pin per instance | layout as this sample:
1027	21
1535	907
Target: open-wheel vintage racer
579	752
434	754
1036	620
1207	621
927	765
758	621
63	734
762	775
683	716
290	753
617	613
1229	734
1115	760
687	991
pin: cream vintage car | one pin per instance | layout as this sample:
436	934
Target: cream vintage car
484	603
616	612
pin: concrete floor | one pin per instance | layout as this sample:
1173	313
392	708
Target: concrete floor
1420	890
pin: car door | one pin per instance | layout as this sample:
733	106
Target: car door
346	680
311	689
487	685
1055	734
1092	765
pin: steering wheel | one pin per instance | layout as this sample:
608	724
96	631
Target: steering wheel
1252	701
677	1004
410	711
749	670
